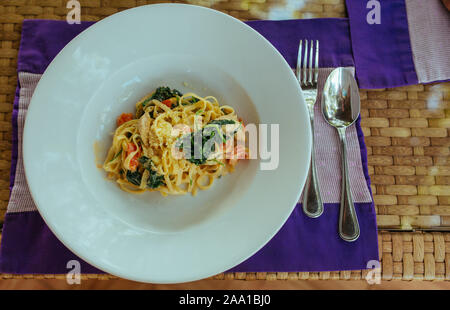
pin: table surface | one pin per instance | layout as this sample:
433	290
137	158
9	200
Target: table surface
407	142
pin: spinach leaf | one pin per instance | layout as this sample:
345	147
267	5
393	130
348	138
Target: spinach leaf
144	103
143	160
199	145
190	101
117	155
219	162
163	93
155	180
221	122
134	177
197	154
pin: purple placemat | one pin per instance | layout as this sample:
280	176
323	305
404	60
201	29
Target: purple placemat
303	244
399	42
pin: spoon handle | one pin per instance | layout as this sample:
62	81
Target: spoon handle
312	202
348	221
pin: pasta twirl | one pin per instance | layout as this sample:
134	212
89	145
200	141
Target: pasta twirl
175	144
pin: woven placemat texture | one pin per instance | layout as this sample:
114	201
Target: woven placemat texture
404	256
407	132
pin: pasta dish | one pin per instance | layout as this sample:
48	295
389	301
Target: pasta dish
175	144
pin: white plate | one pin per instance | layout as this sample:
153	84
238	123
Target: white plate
102	73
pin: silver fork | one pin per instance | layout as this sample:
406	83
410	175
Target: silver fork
307	76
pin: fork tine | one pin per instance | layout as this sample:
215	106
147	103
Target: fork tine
316	71
311	54
305	63
299	61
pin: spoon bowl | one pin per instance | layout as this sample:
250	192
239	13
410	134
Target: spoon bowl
340	108
342	103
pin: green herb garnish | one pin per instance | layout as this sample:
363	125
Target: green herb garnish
221	122
134	177
155	180
219	162
163	93
143	160
198	141
117	155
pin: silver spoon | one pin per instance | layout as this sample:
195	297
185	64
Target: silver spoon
340	108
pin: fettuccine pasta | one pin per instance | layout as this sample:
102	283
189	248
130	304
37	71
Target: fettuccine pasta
175	144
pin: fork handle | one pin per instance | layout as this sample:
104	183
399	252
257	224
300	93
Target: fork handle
312	201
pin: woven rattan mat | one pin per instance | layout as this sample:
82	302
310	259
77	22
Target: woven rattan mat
407	133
